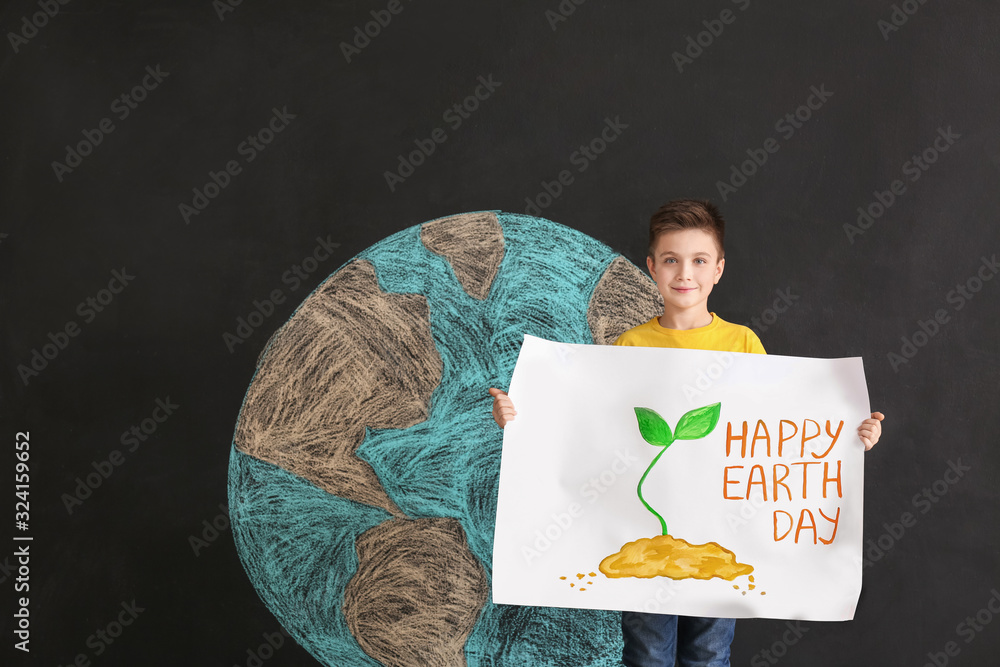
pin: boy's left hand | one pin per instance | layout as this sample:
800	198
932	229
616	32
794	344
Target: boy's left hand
871	429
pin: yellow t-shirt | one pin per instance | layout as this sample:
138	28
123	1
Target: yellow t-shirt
720	336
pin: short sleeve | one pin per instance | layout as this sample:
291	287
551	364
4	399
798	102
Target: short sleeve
754	345
627	338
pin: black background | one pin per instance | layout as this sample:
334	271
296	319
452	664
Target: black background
323	176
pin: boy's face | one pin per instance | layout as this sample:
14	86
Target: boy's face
685	266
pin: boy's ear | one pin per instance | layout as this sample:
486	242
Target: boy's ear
719	268
649	267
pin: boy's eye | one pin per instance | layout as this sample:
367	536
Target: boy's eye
668	260
700	260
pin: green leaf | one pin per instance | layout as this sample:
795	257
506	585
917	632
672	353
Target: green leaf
653	427
698	422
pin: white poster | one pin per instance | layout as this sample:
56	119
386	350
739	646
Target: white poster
682	481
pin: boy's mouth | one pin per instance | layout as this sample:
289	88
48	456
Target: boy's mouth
683	290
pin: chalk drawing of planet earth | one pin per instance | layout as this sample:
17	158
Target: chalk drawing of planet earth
363	474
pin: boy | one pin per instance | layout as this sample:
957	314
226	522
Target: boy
686	258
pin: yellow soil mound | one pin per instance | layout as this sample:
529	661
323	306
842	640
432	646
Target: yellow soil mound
666	556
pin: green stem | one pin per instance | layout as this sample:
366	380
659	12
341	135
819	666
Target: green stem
663	524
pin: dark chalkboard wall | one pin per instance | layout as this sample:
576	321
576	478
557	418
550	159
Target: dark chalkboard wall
892	109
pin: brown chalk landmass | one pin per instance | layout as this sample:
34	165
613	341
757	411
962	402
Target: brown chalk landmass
352	356
624	297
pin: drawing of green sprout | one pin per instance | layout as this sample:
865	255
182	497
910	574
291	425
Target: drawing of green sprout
693	425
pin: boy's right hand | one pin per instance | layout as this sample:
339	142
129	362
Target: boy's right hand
503	407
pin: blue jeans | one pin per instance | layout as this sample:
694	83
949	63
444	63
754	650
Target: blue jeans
664	640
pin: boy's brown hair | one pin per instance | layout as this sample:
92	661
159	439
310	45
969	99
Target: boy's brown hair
688	214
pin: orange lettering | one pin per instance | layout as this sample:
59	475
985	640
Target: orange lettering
834	437
806	438
742	439
756	436
726	483
802	525
762	482
790	524
781	433
781	481
835	521
827	478
805	469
